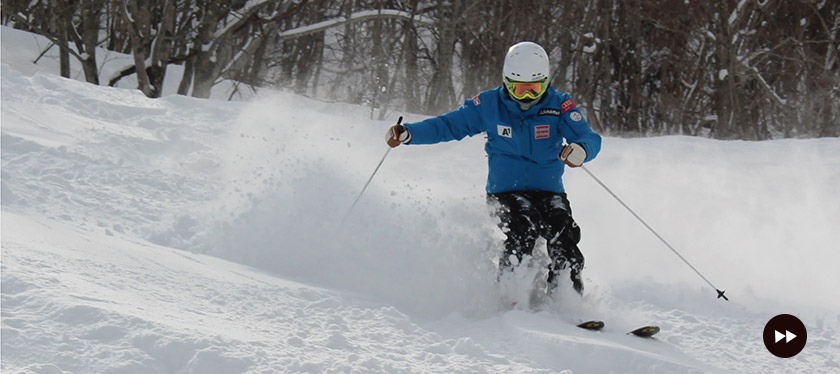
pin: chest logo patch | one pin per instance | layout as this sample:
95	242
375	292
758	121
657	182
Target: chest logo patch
542	132
505	131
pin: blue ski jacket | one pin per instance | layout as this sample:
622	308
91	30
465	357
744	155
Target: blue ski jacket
522	146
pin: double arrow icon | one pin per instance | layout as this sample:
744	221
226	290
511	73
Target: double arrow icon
787	336
778	330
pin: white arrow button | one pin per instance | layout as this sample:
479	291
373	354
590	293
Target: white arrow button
787	336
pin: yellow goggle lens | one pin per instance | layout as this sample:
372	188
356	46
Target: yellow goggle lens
523	90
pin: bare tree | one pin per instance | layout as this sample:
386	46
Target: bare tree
731	69
84	32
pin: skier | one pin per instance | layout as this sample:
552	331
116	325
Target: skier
526	121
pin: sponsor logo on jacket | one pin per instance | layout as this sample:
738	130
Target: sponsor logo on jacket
505	131
567	105
550	112
542	132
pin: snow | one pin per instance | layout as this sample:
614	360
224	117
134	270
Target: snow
733	18
21	49
180	235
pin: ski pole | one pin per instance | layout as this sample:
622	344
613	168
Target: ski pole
719	292
366	184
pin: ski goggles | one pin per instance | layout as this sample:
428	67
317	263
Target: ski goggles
526	90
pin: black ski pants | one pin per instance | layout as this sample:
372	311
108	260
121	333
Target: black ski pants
528	215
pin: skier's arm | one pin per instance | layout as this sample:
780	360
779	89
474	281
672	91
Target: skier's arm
581	133
455	125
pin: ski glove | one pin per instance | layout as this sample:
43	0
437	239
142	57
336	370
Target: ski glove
397	135
573	155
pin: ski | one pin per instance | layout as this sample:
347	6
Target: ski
592	325
642	332
645	332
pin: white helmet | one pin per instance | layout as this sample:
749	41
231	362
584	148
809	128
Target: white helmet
526	62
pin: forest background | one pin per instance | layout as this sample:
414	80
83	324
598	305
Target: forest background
729	69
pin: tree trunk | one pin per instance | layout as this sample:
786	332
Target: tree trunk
162	49
441	95
61	26
138	48
91	12
724	75
204	77
186	80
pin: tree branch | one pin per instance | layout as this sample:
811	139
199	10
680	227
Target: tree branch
779	99
48	36
358	16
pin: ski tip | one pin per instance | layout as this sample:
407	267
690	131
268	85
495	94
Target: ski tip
592	325
645	332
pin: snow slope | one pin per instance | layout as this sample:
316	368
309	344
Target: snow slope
199	236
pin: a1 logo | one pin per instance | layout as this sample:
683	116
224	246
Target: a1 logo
505	131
